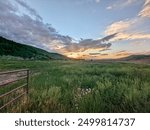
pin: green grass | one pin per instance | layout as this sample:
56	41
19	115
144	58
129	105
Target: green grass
79	86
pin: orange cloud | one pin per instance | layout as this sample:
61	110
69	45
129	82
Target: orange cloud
124	31
145	12
130	36
98	55
120	26
84	54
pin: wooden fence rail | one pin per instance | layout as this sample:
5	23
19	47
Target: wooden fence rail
10	77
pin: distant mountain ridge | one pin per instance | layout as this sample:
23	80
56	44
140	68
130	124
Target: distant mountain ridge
11	48
137	58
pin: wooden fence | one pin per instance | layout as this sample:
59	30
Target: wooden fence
10	77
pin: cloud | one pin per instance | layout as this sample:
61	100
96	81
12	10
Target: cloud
113	55
30	29
104	54
94	53
6	7
97	1
85	45
127	30
145	12
109	7
105	49
107	38
82	2
119	26
133	36
83	48
130	36
25	29
122	54
130	29
120	4
28	8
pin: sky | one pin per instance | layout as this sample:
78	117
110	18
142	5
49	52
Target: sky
85	29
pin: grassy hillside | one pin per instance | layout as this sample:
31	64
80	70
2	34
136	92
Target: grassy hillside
11	48
136	57
79	86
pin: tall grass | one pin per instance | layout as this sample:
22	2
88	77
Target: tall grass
78	86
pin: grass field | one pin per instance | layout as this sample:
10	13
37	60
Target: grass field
81	86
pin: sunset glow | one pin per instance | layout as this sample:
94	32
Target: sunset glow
84	29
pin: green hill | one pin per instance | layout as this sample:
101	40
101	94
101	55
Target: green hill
11	48
136	57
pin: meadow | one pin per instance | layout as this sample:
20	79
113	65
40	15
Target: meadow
83	86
